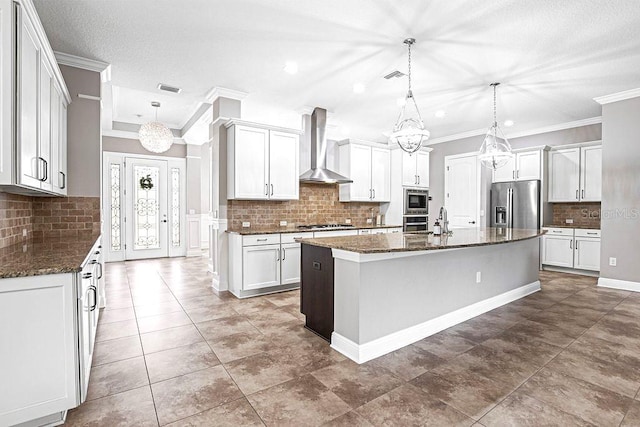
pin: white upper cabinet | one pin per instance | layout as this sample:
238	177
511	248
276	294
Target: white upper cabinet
262	164
369	167
415	169
523	166
575	174
564	175
591	174
32	163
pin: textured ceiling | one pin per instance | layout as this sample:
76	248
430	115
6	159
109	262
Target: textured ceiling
552	56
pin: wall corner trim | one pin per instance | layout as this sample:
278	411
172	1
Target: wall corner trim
619	96
624	285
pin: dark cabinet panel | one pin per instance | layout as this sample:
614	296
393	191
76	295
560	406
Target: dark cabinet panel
316	289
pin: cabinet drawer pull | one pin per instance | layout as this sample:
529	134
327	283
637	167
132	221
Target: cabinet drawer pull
556	231
261	240
588	232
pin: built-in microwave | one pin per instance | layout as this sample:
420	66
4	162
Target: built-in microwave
414	223
416	202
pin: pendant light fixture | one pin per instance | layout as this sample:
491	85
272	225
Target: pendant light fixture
154	136
409	132
495	151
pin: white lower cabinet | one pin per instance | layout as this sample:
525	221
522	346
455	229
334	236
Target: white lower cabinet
260	266
569	248
290	263
47	335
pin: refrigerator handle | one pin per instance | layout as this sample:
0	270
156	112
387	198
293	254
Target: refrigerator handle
510	208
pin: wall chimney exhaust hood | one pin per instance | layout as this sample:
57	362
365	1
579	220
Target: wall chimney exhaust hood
319	173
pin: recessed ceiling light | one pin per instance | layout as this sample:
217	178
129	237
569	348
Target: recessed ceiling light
440	114
291	67
508	123
358	88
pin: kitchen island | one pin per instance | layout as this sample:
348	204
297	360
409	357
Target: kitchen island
392	290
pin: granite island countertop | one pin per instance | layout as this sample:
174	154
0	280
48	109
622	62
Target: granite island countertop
293	229
55	256
422	241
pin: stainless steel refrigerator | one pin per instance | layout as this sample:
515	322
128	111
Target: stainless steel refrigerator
516	204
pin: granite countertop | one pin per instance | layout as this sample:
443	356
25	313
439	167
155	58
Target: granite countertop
580	227
55	256
293	229
421	241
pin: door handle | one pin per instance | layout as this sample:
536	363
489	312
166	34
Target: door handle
284	254
513	174
415	179
472	222
95	298
272	189
571	244
277	254
374	193
370	194
266	189
583	193
418	179
64	180
100	265
576	245
518	174
577	198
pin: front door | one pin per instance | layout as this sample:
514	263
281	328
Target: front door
461	190
146	220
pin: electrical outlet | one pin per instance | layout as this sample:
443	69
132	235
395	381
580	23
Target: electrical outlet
283	223
246	224
347	221
569	221
478	277
24	232
369	221
613	261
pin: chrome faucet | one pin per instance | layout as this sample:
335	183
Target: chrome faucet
444	222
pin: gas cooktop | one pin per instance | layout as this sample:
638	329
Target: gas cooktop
317	226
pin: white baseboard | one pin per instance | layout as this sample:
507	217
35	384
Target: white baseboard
624	285
361	353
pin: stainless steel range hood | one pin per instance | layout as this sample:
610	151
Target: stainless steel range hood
319	172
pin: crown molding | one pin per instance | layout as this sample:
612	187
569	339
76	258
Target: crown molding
556	127
221	92
79	62
615	97
456	136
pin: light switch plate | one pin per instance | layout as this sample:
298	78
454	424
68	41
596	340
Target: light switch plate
283	223
569	220
246	224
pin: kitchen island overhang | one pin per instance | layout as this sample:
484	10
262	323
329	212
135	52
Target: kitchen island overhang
393	290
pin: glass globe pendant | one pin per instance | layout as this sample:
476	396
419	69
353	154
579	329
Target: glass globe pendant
154	136
409	132
495	151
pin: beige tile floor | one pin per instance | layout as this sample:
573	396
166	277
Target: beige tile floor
171	351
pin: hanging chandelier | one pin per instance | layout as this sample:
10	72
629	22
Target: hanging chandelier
154	136
495	151
409	132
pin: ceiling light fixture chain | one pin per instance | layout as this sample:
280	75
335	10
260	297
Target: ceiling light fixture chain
495	151
409	132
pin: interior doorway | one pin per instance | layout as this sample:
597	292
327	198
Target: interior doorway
462	190
144	206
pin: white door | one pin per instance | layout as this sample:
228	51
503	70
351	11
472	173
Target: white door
591	174
507	172
283	166
422	169
587	256
290	265
557	250
461	186
251	163
409	171
528	165
564	174
146	220
361	173
260	266
30	167
381	174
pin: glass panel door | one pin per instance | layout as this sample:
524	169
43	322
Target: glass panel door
146	201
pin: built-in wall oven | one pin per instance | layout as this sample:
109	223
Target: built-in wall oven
416	202
414	223
416	210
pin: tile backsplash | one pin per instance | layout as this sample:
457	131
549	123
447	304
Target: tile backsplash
582	214
318	204
47	217
16	215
